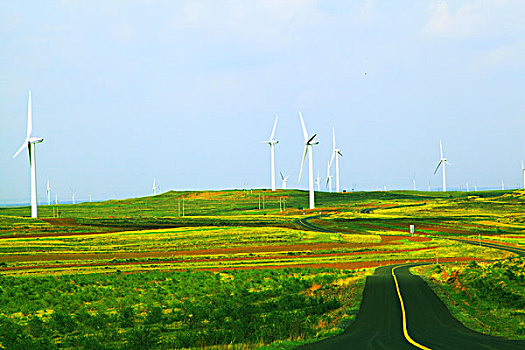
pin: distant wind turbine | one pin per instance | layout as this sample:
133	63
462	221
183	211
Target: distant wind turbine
72	195
29	143
442	162
155	187
328	177
467	187
502	185
336	152
271	142
309	141
414	184
523	173
48	189
318	182
284	179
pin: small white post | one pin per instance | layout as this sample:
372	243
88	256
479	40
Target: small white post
412	230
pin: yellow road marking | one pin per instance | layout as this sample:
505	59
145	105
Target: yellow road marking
405	332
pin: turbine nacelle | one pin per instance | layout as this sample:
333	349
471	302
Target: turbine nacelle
35	140
271	142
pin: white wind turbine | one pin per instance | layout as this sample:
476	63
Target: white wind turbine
318	182
442	162
29	143
523	173
336	153
328	177
155	187
284	179
73	192
48	189
308	143
271	142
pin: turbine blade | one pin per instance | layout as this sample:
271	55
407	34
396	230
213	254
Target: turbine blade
302	163
24	145
282	177
522	168
333	134
435	171
441	148
273	130
29	151
29	117
331	159
339	152
447	162
305	133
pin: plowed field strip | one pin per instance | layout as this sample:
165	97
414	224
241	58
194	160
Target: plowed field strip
109	263
213	251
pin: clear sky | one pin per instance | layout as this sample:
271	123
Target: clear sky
184	91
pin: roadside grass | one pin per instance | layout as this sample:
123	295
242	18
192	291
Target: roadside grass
485	297
177	309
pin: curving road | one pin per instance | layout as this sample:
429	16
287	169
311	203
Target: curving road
429	324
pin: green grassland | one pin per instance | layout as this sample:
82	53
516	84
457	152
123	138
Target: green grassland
238	268
486	297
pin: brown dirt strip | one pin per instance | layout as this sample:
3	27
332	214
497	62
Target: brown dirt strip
213	251
385	239
346	266
109	263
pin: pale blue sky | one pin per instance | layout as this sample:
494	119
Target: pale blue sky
125	91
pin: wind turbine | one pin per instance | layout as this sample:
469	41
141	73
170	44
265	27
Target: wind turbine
155	187
336	153
328	177
442	162
48	189
29	143
271	142
318	182
285	180
502	185
308	143
523	172
72	195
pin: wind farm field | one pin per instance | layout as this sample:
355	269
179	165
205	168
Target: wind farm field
250	269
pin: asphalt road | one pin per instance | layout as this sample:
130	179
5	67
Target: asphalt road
429	324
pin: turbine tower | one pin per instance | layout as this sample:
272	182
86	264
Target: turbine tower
29	143
48	189
271	142
155	187
442	162
523	172
285	180
336	153
328	177
309	141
